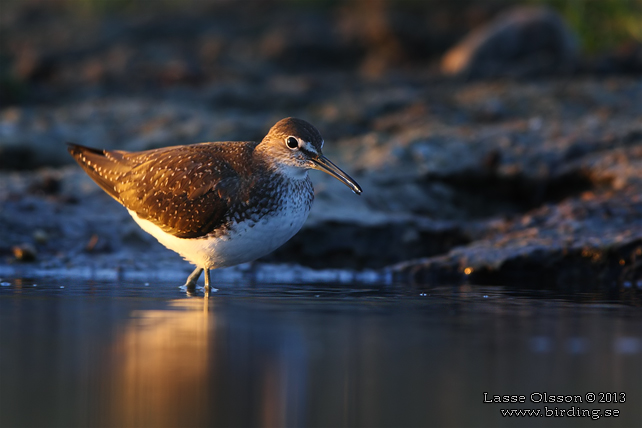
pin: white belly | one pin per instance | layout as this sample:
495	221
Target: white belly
245	242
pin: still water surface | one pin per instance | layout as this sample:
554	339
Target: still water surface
130	354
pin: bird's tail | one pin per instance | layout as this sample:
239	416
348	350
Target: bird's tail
100	165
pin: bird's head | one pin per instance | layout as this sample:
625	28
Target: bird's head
294	146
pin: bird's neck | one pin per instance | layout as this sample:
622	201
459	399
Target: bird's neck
263	159
291	172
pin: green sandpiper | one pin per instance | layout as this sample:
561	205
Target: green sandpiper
217	204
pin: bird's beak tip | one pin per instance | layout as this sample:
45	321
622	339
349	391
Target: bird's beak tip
324	164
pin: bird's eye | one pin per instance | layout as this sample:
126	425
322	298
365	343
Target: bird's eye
292	142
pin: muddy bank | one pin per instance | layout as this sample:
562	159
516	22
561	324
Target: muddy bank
481	181
546	197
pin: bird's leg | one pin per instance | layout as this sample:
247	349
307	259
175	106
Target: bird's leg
191	280
207	283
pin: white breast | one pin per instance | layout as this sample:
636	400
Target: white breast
246	241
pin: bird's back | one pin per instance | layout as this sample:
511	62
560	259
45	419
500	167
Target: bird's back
187	191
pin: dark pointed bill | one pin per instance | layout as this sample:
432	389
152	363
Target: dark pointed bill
323	164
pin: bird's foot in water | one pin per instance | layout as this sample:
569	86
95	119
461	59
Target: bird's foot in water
190	284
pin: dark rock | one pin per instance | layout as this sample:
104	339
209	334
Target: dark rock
16	157
626	59
578	240
356	245
524	41
24	252
48	184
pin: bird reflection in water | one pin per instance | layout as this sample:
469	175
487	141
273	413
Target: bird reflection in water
185	367
162	358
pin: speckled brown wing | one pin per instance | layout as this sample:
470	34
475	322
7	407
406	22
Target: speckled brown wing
187	191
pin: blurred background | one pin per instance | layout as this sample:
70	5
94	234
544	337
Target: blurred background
493	127
496	247
57	50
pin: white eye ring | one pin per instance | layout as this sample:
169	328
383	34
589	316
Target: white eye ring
292	142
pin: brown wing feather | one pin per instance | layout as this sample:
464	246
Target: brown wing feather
103	169
185	190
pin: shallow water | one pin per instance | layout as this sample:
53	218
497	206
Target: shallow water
135	354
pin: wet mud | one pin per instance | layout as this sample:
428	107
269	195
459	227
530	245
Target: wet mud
486	180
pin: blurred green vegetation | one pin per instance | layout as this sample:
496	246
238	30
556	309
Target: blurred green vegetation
601	24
